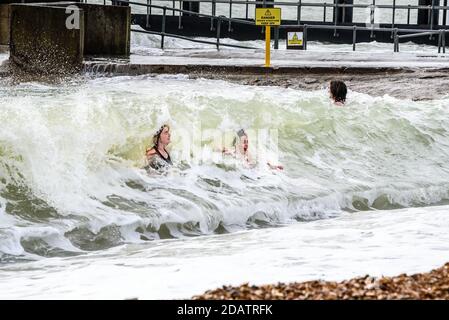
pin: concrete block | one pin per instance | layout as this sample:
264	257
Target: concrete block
4	24
107	29
46	45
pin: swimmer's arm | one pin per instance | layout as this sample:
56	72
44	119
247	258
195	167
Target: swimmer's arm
275	167
228	152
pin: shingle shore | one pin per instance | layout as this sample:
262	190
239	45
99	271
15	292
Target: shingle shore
430	285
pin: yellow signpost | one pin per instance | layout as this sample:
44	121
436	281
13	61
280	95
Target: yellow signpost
268	17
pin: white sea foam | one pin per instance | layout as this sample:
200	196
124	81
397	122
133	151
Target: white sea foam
71	182
71	158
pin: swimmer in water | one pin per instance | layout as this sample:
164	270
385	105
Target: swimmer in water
158	157
337	92
241	145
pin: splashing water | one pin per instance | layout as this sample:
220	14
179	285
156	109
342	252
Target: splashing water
71	157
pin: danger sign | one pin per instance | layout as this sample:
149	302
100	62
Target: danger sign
268	16
295	38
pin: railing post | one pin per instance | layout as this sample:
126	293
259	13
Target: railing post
432	17
408	15
335	18
396	40
247	10
180	15
164	12
444	13
444	41
173	11
324	12
276	37
305	37
393	18
230	8
298	13
213	9
354	35
218	32
230	16
431	20
148	14
373	7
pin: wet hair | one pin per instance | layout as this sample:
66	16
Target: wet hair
240	134
338	90
157	135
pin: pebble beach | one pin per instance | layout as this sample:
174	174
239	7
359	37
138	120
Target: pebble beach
421	286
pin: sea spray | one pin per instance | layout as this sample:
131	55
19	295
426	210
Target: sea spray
72	175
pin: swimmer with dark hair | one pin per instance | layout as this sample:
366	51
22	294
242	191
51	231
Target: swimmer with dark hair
158	157
337	92
241	146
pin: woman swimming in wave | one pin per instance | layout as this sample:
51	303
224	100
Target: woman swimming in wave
158	157
241	146
337	92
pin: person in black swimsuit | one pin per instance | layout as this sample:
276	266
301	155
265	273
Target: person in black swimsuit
157	156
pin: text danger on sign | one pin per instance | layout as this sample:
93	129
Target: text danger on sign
268	17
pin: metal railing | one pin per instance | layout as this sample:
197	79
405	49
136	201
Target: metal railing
354	29
441	38
335	6
410	33
164	34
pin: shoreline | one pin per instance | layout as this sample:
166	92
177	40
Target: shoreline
432	285
401	82
417	85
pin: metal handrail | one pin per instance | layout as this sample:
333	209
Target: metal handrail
441	38
354	28
218	44
163	34
414	32
326	26
185	11
310	4
299	4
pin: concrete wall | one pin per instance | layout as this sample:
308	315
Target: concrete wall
4	24
41	42
45	45
107	29
33	1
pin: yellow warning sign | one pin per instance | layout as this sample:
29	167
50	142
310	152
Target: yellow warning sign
295	38
268	16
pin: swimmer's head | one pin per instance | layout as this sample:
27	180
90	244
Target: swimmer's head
241	140
162	136
338	91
